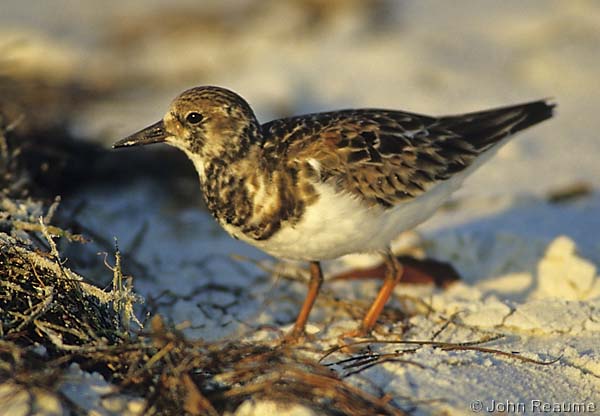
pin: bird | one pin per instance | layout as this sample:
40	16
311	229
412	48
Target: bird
319	186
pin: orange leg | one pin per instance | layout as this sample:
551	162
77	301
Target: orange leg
394	271
316	279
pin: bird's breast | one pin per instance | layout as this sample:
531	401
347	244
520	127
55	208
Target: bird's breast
253	204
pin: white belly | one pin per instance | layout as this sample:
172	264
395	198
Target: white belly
339	224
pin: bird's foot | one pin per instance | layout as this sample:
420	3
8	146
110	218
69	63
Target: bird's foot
347	339
359	332
297	336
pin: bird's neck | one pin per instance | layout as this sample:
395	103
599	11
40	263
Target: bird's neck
212	165
227	152
226	183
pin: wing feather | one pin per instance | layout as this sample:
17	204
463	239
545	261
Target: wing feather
388	156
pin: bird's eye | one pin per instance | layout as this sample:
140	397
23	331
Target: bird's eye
194	118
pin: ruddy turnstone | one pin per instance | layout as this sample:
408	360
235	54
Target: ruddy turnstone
319	186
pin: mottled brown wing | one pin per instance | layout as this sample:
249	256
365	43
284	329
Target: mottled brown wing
388	156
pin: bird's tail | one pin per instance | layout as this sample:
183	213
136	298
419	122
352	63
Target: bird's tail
485	128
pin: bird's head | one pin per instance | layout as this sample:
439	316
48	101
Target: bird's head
204	122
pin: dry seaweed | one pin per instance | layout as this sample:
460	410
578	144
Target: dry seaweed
44	308
179	375
47	305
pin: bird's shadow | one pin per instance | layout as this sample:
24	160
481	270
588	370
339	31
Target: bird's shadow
495	252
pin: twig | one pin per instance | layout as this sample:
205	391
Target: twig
52	230
408	342
444	346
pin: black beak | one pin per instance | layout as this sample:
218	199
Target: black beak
155	133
